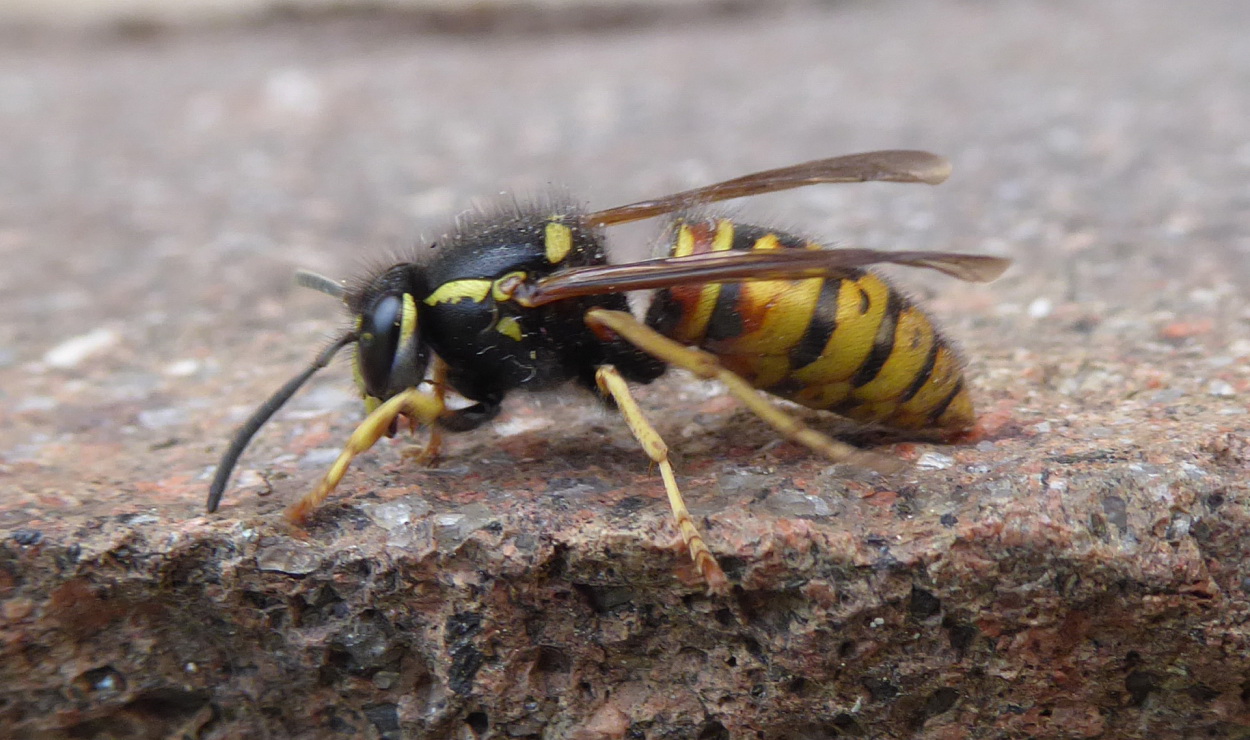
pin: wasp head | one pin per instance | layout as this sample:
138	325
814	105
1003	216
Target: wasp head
390	354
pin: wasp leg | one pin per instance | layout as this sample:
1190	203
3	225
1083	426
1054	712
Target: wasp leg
419	405
612	384
705	365
434	443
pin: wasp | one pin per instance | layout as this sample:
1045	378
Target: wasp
526	298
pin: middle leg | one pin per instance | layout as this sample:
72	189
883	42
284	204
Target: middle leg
428	455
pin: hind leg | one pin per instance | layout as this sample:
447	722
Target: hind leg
612	384
705	365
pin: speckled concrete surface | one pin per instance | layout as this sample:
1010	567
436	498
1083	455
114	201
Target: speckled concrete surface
1078	572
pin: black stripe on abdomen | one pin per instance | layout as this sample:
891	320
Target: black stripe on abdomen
883	343
725	321
926	370
820	328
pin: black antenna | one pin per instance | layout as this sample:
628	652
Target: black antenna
262	414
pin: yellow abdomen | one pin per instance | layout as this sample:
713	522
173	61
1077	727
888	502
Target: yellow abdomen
851	344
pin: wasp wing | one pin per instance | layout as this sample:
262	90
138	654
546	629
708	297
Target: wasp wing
895	165
745	266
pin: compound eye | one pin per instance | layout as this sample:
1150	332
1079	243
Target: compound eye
379	340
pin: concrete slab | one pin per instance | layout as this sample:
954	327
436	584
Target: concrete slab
1078	572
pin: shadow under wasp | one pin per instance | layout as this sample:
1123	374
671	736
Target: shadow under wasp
526	298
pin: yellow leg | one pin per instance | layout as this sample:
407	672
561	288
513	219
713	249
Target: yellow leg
434	444
705	365
611	383
424	407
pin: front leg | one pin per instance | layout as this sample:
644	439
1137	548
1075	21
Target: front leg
419	405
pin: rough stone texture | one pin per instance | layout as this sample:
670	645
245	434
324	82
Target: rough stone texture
1081	571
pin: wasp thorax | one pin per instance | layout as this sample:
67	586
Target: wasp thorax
389	355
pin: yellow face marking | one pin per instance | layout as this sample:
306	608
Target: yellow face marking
861	307
408	320
913	338
358	378
558	241
509	327
458	290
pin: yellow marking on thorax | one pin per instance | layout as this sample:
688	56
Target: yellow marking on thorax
454	291
913	338
558	240
854	332
509	327
498	293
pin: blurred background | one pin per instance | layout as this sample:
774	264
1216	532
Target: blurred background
103	13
